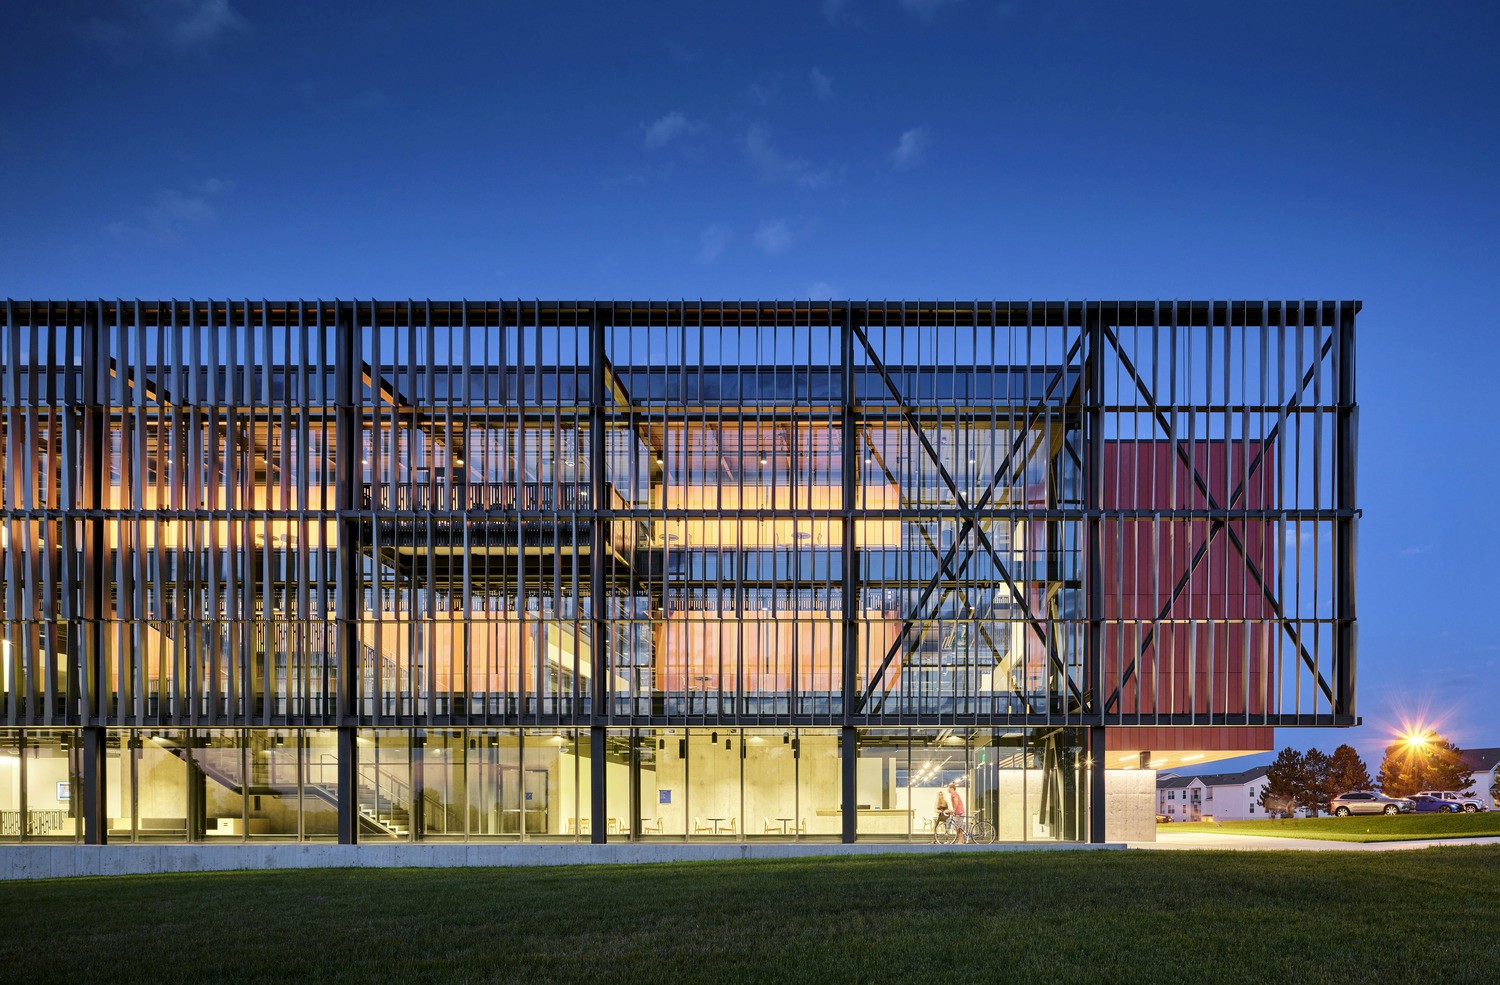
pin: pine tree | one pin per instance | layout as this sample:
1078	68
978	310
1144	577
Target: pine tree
1435	764
1314	795
1284	781
1347	772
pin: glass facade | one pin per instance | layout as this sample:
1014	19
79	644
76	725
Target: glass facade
537	571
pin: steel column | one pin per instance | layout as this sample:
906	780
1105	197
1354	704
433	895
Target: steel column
598	804
1094	763
848	799
94	803
599	711
1346	548
347	500
1093	503
849	465
348	795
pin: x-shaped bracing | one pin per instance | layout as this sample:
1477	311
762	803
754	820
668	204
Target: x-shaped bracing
1218	524
970	523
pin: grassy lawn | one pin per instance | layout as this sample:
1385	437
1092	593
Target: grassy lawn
964	917
1372	827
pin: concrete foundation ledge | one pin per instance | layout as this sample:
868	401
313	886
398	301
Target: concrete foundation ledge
69	861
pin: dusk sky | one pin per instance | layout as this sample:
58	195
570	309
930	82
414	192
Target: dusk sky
834	148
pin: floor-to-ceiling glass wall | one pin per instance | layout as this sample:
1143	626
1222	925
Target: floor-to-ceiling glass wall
699	783
38	781
769	761
160	762
1031	785
443	784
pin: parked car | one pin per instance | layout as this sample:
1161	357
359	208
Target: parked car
1163	819
1426	803
1469	805
1369	802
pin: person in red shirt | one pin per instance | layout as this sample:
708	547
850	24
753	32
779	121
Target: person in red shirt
956	808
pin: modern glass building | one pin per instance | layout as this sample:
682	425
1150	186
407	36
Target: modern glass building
546	571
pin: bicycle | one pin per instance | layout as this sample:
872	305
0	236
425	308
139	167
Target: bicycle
973	827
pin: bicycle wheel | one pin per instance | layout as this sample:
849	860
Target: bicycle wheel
946	832
982	833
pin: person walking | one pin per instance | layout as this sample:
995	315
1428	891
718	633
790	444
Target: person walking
956	808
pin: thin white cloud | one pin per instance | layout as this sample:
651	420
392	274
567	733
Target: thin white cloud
925	9
822	84
773	236
910	149
712	242
822	290
834	10
773	165
173	213
183	25
763	94
667	129
200	22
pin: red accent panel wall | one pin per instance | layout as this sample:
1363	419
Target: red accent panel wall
1159	739
1210	648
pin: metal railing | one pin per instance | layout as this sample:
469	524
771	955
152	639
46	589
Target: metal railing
484	496
38	823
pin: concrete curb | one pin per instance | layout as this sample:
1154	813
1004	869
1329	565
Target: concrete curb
72	861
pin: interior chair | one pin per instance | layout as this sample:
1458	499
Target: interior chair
699	827
769	828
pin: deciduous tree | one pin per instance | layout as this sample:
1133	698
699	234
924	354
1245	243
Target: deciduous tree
1429	763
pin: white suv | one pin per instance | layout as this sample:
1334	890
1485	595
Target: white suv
1468	805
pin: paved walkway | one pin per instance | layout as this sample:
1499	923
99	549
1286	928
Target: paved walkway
1174	841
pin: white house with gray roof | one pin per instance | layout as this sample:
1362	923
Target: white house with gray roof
1221	796
1486	766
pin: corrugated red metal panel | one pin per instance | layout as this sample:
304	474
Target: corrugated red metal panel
1225	738
1208	649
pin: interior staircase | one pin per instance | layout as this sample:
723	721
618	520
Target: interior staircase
384	798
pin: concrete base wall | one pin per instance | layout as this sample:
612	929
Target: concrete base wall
59	861
1130	805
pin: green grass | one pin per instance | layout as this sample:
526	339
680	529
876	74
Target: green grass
1366	828
964	917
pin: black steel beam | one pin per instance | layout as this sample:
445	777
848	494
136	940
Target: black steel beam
729	313
1346	548
1094	763
94	801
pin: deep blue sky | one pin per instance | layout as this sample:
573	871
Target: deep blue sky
864	148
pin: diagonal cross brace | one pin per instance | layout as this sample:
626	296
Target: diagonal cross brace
1218	524
970	521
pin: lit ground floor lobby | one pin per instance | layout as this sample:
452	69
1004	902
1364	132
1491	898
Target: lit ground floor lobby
709	785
